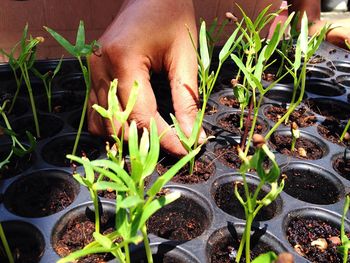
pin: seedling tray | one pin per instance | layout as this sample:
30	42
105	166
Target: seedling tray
320	196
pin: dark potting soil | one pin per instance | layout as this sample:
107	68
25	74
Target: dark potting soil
16	165
203	169
23	252
57	155
38	196
226	200
333	110
229	101
342	166
182	220
225	250
301	232
301	116
228	155
231	124
65	102
331	129
160	259
282	144
210	110
77	234
310	186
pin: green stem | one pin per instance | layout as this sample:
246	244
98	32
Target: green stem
248	227
345	130
294	139
94	198
31	98
146	244
6	245
18	84
82	117
127	253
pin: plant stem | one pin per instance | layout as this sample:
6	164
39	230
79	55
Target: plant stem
31	98
345	130
248	226
146	244
6	245
18	84
94	198
82	118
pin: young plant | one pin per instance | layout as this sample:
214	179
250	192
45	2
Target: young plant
47	79
208	80
17	147
250	202
114	113
6	245
80	51
345	243
295	135
24	62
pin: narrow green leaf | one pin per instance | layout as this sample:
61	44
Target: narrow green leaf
195	129
103	185
144	145
162	180
58	67
304	30
80	40
268	257
203	47
103	240
102	111
80	180
131	101
226	49
153	154
130	202
182	137
62	41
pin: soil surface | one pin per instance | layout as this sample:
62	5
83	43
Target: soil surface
226	200
204	168
301	116
229	101
304	148
342	166
56	153
182	220
231	121
210	110
77	234
301	232
331	129
224	250
310	186
38	196
16	165
330	109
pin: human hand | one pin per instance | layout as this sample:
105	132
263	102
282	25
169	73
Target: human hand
148	35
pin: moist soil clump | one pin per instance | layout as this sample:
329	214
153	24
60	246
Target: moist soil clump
342	166
40	196
77	234
331	129
229	101
301	232
204	168
301	116
231	123
182	220
226	200
304	148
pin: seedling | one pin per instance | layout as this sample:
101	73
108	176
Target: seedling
6	245
208	80
80	50
24	62
47	79
133	206
114	113
17	147
295	135
345	243
251	204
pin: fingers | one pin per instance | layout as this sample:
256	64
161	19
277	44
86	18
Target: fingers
184	86
136	68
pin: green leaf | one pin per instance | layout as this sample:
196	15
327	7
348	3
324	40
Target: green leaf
162	180
62	41
80	179
153	154
58	67
103	240
195	129
131	102
103	185
130	202
268	257
226	49
153	207
80	40
144	145
203	47
182	137
304	29
102	111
